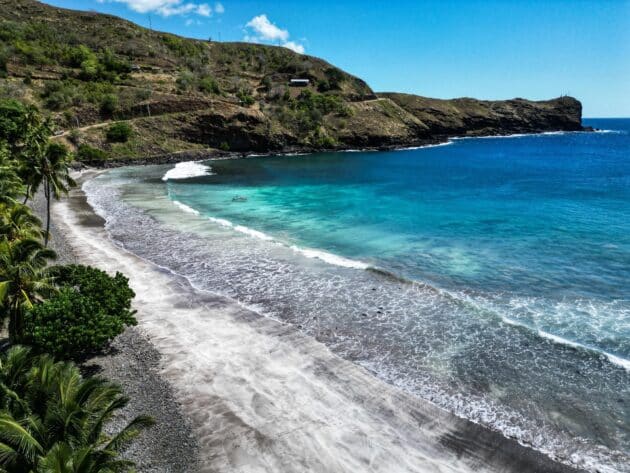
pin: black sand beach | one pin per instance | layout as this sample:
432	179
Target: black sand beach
250	394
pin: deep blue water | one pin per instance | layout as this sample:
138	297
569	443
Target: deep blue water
501	290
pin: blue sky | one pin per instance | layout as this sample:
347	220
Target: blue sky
488	49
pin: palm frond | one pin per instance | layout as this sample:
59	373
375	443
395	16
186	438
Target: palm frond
130	432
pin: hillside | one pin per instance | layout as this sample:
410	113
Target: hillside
88	69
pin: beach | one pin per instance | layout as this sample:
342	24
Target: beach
250	394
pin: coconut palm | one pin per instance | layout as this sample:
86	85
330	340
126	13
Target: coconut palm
51	419
18	222
50	169
23	279
10	184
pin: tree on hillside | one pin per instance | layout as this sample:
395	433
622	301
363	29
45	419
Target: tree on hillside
52	419
23	279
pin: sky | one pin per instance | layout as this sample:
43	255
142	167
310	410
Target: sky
487	49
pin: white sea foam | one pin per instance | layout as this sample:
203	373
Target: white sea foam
615	360
185	208
330	258
253	233
618	132
321	255
435	145
187	170
221	221
515	135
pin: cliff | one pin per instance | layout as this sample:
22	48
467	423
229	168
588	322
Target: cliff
181	95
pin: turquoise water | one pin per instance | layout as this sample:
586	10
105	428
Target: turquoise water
489	276
545	216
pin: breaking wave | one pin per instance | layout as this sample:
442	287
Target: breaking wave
187	170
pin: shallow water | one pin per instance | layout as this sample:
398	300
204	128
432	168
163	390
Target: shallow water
489	276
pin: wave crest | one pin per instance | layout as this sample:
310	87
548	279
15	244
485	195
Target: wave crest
186	170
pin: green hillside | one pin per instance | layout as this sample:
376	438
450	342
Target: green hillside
88	70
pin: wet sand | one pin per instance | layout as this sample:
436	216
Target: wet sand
262	397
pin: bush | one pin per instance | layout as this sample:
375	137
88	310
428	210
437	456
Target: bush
109	104
75	137
209	86
119	132
224	146
87	153
90	309
185	81
245	98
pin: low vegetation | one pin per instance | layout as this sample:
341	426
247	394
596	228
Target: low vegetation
119	132
51	417
89	309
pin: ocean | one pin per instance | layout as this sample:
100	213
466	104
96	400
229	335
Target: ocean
489	276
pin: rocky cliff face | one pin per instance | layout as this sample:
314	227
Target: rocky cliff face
183	95
470	117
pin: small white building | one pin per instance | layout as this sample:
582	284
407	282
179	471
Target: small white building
299	82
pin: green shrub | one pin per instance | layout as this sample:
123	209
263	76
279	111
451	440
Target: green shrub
335	78
59	95
75	137
90	309
75	56
111	63
87	153
224	146
89	69
119	132
109	104
185	81
321	140
245	98
209	86
143	94
184	47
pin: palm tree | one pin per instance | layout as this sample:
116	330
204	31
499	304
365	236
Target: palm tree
18	222
10	183
51	419
23	279
51	168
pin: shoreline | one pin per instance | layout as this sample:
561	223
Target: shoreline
214	154
261	396
134	363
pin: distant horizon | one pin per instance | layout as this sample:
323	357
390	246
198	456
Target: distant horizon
488	50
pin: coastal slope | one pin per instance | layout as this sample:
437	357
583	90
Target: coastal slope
184	95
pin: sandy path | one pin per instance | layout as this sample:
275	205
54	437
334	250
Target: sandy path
264	398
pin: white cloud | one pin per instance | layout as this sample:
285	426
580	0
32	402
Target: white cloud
266	30
219	8
298	48
204	10
261	30
169	7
